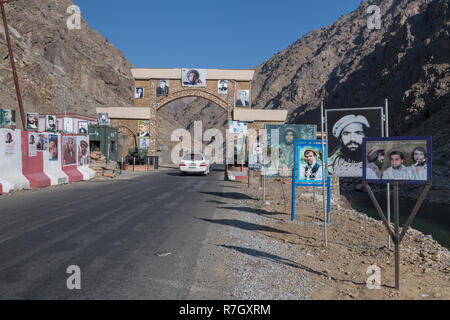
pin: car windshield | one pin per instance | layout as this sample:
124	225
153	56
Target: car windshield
193	157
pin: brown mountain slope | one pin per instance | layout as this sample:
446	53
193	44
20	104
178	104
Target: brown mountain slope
50	56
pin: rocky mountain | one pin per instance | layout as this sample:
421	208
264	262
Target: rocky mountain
347	64
76	70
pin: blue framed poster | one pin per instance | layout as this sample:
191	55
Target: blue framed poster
308	162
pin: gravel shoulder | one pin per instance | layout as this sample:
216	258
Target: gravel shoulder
255	249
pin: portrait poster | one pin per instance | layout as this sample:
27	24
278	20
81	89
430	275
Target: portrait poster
32	144
238	127
68	125
50	123
83	127
144	143
83	151
162	87
309	162
222	86
69	150
32	121
103	119
143	127
243	98
53	151
281	163
8	118
42	142
139	93
403	159
10	143
255	156
193	77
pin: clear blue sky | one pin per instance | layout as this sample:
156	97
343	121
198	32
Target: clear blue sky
207	33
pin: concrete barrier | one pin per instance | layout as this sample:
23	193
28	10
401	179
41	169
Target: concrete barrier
83	158
33	162
53	160
69	157
11	176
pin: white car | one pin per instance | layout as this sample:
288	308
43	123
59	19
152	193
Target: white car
195	162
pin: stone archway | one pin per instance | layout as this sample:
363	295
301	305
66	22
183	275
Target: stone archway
126	140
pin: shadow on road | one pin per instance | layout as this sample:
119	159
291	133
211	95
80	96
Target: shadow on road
244	225
229	195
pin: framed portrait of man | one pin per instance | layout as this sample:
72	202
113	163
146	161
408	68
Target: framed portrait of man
42	142
50	123
143	128
68	125
83	127
346	129
162	87
403	159
8	118
32	144
308	162
83	151
69	150
139	93
193	77
103	119
32	121
243	98
144	143
53	153
281	161
222	86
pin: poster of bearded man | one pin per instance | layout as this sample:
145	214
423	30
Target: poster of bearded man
346	129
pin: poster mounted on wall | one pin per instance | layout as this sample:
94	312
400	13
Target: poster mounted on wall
50	123
53	154
42	142
346	129
32	121
69	150
68	125
162	87
138	93
238	127
222	86
83	151
193	77
32	144
282	165
83	127
243	98
403	159
143	128
103	119
9	141
144	143
8	118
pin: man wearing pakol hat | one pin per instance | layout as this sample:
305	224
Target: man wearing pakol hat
397	170
418	170
375	161
287	152
313	169
346	159
83	154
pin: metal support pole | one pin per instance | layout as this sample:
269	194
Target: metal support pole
397	237
13	66
264	184
388	186
134	162
325	231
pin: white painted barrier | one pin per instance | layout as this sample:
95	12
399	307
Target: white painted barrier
84	157
52	161
11	176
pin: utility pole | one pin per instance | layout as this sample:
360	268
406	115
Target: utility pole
13	64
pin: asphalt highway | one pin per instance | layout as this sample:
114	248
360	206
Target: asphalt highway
137	237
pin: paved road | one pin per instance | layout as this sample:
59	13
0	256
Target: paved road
113	231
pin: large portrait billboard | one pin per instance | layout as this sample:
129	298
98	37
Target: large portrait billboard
193	77
404	159
309	162
281	161
69	150
346	129
83	151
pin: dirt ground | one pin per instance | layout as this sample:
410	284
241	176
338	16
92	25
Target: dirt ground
355	242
